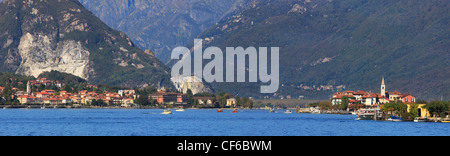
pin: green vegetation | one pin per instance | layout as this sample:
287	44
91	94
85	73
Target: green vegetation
397	108
438	108
7	94
142	96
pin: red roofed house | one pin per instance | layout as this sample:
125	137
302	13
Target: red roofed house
163	97
23	99
369	99
408	98
42	95
49	91
53	101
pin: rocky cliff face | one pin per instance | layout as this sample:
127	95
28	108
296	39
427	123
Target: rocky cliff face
61	35
39	55
189	83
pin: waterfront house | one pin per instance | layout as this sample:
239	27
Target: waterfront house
127	102
394	96
66	100
42	95
408	98
52	101
423	112
28	99
75	99
369	99
163	97
358	95
204	100
231	102
336	100
49	91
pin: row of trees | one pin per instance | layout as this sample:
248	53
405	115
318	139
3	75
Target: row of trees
436	108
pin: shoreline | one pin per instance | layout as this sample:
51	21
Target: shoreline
96	107
432	119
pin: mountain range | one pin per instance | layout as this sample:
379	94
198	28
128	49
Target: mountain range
61	35
330	45
325	45
162	25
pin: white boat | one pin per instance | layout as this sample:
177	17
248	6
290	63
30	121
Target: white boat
180	110
272	111
420	119
288	112
315	111
395	118
168	111
368	114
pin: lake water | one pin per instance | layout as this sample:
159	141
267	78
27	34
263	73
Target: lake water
149	122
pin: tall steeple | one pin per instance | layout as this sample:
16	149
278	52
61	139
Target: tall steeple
383	88
28	88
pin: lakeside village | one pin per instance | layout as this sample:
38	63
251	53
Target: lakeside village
390	106
45	93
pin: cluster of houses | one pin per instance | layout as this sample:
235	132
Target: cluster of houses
161	96
45	82
124	98
372	99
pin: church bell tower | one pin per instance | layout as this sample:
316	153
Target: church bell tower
28	88
383	88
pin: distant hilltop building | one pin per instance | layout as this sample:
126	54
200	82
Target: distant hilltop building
372	99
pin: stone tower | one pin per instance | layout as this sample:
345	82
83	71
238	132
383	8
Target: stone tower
28	88
383	88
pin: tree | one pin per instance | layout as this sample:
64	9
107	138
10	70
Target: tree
8	95
437	107
414	110
344	103
325	105
101	102
246	102
94	102
190	96
142	100
396	108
